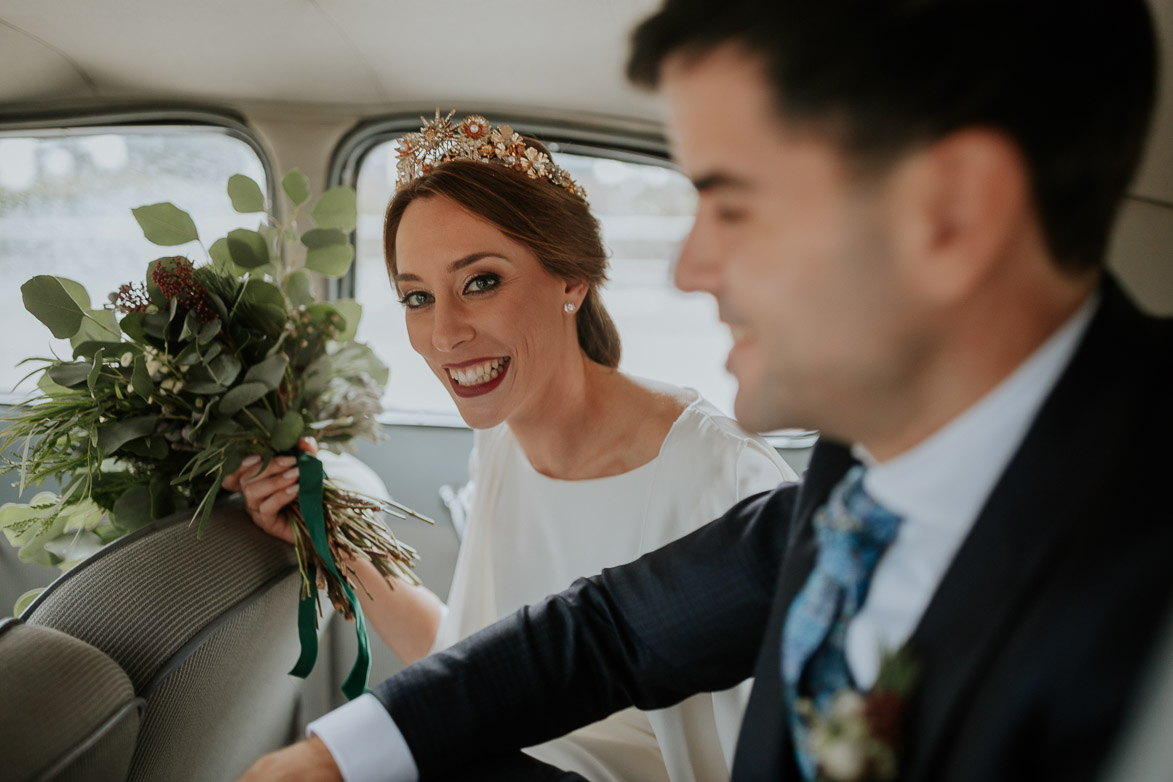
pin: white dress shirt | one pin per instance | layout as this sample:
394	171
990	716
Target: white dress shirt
938	488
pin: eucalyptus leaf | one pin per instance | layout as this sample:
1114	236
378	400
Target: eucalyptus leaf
132	509
49	387
351	312
25	600
88	349
222	257
336	209
76	291
95	371
242	396
70	374
298	288
155	324
191	326
115	434
247	249
316	238
260	292
224	368
246	194
140	378
210	330
162	497
297	186
289	428
96	326
203	387
257	415
332	261
48	300
189	356
269	372
132	326
165	224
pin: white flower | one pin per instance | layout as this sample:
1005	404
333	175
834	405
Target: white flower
848	704
843	760
127	359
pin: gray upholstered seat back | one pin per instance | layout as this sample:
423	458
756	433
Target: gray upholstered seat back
48	675
205	631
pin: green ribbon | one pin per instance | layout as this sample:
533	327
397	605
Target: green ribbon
309	497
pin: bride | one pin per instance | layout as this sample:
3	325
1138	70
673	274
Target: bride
576	466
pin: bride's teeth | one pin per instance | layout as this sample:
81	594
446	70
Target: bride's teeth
476	375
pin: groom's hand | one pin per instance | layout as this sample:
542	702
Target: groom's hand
309	761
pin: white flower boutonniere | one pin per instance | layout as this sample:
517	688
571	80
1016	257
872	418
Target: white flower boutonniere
859	738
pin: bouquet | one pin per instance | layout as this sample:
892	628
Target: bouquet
178	377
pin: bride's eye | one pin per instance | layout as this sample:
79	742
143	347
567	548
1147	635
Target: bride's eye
482	283
415	299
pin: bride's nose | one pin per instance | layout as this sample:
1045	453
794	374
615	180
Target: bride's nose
451	326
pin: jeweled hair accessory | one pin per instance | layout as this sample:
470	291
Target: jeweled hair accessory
439	141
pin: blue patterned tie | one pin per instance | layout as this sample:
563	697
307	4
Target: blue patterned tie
852	532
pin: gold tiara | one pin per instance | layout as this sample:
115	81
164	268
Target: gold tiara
439	141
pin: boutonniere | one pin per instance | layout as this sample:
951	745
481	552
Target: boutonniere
858	739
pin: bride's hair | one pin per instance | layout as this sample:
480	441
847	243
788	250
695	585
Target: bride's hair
555	225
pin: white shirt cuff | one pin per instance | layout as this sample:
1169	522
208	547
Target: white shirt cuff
366	743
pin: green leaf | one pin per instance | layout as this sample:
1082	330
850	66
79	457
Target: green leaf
115	434
132	326
316	238
88	349
241	396
289	428
224	368
246	194
297	186
269	372
165	224
132	509
47	298
351	312
162	496
70	374
95	371
26	600
222	257
203	387
140	378
259	292
298	288
191	326
76	291
247	249
332	261
99	326
266	420
209	330
47	386
336	209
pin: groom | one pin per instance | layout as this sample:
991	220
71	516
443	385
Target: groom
904	209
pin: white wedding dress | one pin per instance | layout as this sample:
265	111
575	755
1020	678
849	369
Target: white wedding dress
529	536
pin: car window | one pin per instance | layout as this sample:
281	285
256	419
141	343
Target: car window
65	209
645	209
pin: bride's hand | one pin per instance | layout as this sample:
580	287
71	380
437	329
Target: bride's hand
267	492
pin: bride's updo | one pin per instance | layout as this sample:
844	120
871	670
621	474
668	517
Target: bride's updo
556	225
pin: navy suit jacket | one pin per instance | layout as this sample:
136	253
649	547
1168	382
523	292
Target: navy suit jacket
1031	647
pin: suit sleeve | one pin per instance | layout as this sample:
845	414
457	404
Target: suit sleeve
686	618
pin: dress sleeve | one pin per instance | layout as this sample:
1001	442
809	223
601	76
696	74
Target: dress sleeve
760	468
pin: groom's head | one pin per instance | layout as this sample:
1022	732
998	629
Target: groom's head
868	169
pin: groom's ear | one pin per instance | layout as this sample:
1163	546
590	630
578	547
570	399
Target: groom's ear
959	207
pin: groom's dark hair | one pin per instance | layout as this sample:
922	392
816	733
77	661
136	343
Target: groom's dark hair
1070	82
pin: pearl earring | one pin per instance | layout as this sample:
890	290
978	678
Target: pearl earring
569	307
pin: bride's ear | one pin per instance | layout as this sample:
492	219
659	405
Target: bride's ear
575	291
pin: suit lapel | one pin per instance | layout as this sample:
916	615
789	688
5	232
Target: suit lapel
1038	503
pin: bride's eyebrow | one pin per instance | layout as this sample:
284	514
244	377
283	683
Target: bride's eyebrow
455	266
